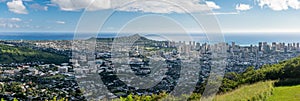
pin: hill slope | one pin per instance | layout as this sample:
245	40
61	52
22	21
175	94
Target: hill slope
262	91
285	76
269	83
254	92
287	93
10	54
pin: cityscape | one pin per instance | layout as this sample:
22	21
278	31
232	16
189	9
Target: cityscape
149	50
177	60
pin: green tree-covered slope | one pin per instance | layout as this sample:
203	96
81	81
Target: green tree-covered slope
10	54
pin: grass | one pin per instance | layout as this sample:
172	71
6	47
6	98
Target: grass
261	91
286	93
254	92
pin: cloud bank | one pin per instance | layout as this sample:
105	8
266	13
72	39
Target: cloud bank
279	5
157	6
10	22
74	5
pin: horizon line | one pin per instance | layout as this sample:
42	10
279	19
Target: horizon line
143	32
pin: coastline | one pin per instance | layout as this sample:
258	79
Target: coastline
245	39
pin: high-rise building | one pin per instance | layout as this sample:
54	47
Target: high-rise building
290	46
198	45
194	44
251	48
285	49
274	46
265	46
260	46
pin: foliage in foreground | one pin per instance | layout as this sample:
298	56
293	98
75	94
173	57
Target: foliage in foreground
160	97
289	69
287	93
254	92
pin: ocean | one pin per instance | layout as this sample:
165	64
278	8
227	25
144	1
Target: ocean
238	38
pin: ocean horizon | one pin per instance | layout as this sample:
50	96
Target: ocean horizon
241	39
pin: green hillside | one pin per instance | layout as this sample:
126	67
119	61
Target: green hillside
283	71
285	84
285	76
271	82
286	93
10	54
254	92
262	91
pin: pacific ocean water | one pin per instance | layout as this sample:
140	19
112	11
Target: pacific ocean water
238	38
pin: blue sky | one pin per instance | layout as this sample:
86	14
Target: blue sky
233	15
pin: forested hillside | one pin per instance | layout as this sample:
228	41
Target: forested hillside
253	85
10	54
287	72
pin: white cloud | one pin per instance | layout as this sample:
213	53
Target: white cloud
17	6
12	25
52	5
212	5
15	19
294	4
39	7
224	13
242	7
28	0
279	5
60	22
10	22
73	5
163	6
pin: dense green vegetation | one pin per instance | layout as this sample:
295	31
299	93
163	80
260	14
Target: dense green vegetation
266	91
160	97
254	92
287	93
284	72
260	84
10	54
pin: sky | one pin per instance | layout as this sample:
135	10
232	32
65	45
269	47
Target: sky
233	16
